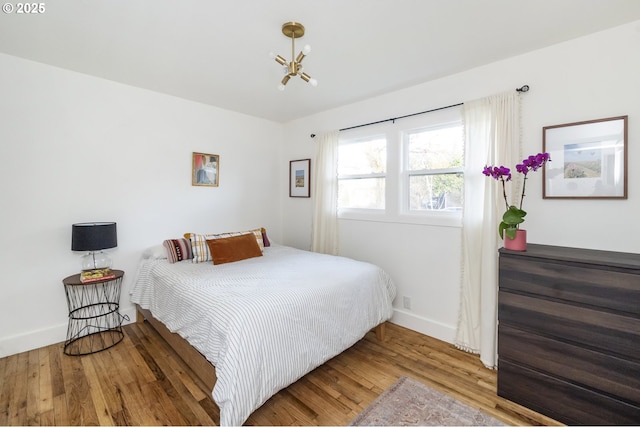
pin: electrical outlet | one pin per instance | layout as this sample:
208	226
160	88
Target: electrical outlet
406	303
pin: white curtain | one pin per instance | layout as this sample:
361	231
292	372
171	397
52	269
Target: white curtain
492	137
324	234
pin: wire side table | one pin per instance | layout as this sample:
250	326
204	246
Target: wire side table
95	322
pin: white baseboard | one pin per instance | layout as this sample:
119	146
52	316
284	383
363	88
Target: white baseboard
423	325
44	337
33	339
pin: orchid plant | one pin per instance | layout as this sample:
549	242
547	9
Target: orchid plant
514	216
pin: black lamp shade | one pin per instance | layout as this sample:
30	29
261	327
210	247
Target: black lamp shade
93	236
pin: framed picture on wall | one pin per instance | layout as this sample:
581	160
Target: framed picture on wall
299	178
588	160
205	170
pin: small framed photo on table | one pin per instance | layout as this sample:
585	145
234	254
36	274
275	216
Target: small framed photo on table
299	178
588	160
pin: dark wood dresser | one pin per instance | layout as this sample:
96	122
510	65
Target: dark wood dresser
569	333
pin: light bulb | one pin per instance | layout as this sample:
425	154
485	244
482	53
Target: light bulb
306	49
313	82
272	55
281	87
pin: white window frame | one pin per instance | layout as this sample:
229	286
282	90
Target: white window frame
397	176
355	137
407	173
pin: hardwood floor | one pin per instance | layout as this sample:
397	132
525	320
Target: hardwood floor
141	381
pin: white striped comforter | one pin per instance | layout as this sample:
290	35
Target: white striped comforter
265	322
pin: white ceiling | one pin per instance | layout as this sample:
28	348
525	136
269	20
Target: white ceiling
217	52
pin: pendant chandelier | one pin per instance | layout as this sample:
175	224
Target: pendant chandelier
294	30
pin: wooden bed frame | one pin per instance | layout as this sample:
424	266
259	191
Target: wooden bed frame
203	369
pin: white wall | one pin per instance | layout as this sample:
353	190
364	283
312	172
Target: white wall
588	78
75	148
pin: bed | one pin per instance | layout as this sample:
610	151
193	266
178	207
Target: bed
262	322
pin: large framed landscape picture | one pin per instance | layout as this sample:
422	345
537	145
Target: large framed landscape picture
588	159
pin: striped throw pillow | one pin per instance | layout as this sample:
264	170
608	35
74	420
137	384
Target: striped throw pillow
178	250
200	248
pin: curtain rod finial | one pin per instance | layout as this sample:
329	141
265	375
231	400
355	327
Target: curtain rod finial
313	135
524	88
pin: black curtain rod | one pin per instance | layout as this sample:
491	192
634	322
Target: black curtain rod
401	117
522	89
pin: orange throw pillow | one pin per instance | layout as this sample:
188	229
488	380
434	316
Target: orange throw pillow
236	248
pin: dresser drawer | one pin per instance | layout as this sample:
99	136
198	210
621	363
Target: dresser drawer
578	365
561	400
603	331
614	289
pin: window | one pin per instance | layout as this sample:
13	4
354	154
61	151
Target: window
407	171
362	166
433	168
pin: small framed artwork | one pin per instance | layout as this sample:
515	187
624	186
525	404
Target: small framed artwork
299	178
588	160
205	169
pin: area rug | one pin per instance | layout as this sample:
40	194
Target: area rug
410	403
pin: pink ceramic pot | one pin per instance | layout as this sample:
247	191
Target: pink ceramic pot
517	244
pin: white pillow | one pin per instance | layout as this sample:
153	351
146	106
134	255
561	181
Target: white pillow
155	252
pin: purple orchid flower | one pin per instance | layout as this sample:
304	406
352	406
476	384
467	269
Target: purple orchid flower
514	216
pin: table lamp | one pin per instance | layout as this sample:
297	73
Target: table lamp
94	237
